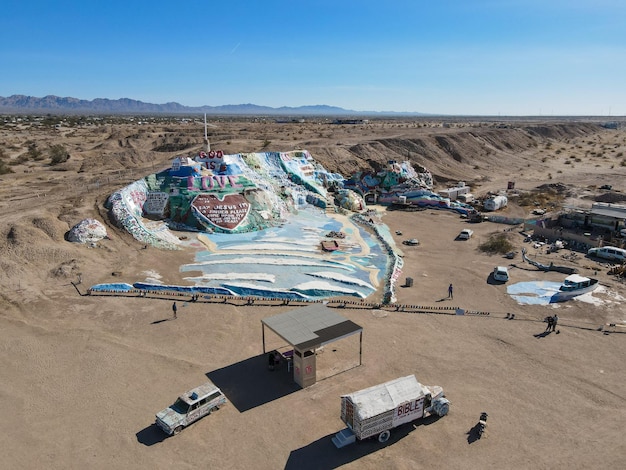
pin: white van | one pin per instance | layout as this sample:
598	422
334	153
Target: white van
466	198
609	252
501	273
466	234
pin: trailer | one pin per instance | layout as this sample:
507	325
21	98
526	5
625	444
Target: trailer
495	203
374	411
454	193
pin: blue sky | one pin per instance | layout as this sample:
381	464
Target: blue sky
470	57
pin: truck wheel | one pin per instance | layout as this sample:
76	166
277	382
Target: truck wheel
441	407
178	429
384	436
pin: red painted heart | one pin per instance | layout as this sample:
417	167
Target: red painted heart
226	213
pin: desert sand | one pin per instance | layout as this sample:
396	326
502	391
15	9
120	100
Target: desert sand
83	376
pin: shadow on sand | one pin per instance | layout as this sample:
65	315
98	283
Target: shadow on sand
542	335
322	454
493	282
473	434
249	383
151	435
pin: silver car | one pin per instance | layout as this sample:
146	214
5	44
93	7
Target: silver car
501	273
190	407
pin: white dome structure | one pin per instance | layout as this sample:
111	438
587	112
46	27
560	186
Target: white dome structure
87	231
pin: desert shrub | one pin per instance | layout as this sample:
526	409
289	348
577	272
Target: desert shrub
4	167
497	244
58	154
33	152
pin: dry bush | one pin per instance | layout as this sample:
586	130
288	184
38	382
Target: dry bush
498	243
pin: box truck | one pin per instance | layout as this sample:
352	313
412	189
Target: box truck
375	411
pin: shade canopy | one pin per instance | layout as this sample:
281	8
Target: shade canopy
311	327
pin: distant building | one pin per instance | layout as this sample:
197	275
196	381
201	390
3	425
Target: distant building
350	121
601	225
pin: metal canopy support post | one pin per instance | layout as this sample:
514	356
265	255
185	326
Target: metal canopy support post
360	347
263	335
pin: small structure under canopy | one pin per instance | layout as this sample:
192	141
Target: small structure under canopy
307	329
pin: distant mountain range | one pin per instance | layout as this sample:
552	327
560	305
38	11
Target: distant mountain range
67	105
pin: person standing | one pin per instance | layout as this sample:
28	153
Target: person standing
450	293
555	320
277	358
550	322
174	310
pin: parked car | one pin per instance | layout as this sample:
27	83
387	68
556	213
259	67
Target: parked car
501	273
606	186
411	242
466	234
190	407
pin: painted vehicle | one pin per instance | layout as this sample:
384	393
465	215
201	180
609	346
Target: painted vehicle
466	234
609	252
374	411
501	273
190	407
495	203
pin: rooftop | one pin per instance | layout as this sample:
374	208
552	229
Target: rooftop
311	326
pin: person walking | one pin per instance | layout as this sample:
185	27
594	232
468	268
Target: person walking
450	293
174	310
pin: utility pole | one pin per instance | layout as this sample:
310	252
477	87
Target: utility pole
206	136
